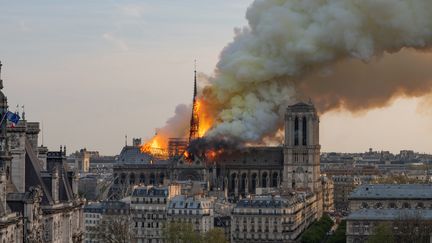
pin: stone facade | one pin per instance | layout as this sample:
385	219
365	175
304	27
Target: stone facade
328	194
97	214
273	218
195	210
149	212
38	195
394	204
343	186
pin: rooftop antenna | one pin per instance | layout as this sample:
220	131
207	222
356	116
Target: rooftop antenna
126	140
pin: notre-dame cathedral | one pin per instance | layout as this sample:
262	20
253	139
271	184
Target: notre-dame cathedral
293	166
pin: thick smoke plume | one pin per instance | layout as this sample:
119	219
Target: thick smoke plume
339	53
343	54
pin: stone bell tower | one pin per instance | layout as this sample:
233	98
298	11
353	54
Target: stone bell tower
302	148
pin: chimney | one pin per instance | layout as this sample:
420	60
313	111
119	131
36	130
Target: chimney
75	179
55	185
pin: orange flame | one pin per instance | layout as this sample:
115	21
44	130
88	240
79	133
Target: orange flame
205	120
158	145
212	154
155	146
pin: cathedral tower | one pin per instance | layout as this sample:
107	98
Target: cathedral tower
302	148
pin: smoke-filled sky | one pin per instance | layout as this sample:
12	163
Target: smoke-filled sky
94	71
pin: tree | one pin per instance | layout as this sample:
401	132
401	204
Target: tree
184	233
411	227
114	229
382	233
180	233
215	235
340	234
318	230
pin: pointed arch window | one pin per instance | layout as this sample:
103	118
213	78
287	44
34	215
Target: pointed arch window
304	132
296	131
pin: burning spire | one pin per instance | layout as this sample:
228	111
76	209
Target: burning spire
194	122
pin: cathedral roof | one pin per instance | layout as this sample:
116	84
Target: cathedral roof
253	155
133	155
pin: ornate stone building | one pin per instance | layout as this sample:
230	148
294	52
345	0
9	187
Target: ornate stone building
273	218
195	210
343	186
149	209
400	206
38	193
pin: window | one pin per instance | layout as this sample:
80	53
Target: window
304	135
420	205
296	131
392	205
406	205
378	205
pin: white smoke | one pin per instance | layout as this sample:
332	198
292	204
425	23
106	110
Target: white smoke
259	73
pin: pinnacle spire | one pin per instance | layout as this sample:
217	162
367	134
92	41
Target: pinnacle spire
195	81
194	123
1	81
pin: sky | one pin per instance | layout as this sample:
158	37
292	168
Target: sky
94	71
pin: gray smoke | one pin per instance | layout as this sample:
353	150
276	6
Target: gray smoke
343	54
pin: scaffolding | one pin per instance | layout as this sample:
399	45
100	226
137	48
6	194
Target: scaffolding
177	146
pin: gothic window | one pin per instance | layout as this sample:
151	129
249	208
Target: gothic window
254	182
243	182
152	179
233	178
304	132
123	178
142	178
264	180
275	179
296	131
132	179
161	178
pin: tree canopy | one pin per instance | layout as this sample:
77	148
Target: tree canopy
318	230
184	233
